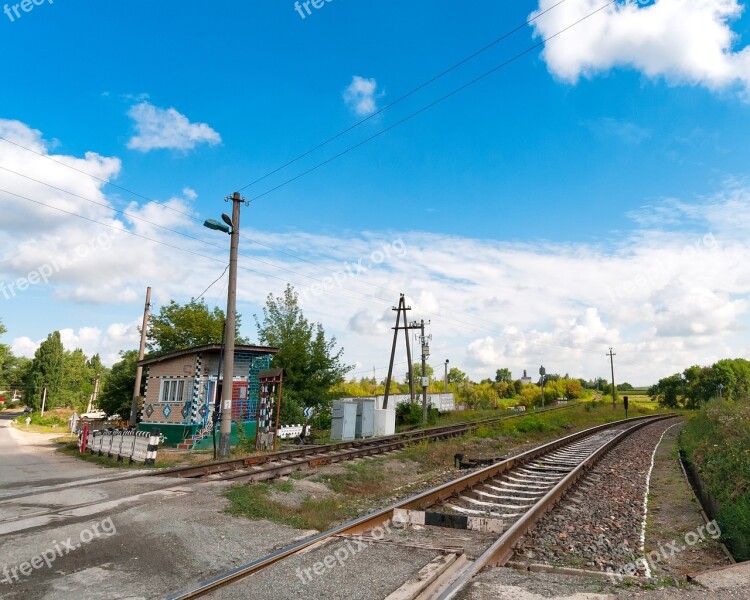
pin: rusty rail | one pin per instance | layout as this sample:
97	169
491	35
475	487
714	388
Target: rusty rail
435	495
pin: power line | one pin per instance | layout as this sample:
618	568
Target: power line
404	96
212	284
431	104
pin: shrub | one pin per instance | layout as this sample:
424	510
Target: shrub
531	423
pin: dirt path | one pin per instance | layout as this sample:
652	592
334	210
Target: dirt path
676	532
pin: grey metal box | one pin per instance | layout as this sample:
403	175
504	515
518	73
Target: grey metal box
365	418
343	420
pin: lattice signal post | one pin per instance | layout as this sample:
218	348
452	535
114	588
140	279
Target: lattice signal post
269	407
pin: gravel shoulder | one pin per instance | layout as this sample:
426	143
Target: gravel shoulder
675	519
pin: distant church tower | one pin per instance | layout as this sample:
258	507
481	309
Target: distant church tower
525	379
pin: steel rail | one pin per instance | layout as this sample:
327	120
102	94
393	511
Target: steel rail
431	433
420	501
502	550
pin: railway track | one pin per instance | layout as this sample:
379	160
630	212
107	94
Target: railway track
260	467
493	507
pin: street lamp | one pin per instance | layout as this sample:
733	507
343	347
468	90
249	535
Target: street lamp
232	227
542	373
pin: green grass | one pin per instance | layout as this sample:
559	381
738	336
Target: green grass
717	443
255	502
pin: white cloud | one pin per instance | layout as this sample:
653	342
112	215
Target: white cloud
159	128
683	41
669	294
360	96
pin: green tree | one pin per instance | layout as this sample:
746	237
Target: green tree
117	394
456	375
312	366
47	368
667	391
503	375
78	381
178	327
417	367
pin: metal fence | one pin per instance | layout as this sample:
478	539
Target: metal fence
135	446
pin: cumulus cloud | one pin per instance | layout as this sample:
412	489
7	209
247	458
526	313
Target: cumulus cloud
360	96
682	41
159	128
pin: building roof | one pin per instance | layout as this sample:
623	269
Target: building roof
205	348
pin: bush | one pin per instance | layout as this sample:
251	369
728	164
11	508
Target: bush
717	443
531	423
411	414
37	419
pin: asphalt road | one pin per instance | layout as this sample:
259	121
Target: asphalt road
27	461
129	538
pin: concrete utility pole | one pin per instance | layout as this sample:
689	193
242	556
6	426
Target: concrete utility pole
612	365
139	369
445	380
425	355
225	429
401	308
44	399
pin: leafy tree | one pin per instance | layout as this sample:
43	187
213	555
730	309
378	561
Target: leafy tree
78	381
117	394
667	391
417	367
178	327
624	387
456	375
47	368
13	372
503	375
311	364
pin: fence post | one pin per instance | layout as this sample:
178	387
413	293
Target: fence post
153	445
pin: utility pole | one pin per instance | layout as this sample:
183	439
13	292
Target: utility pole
612	365
44	399
96	392
225	430
139	369
445	379
425	355
399	309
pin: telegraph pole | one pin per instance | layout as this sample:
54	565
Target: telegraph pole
225	429
399	309
141	354
612	365
44	399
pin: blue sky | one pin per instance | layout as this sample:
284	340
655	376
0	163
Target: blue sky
589	194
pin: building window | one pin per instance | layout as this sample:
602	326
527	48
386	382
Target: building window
172	390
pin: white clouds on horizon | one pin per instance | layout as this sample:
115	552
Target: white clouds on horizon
683	41
665	296
159	129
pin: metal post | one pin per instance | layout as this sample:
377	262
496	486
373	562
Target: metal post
225	430
446	375
139	369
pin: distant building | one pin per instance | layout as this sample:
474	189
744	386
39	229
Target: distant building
525	379
182	387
